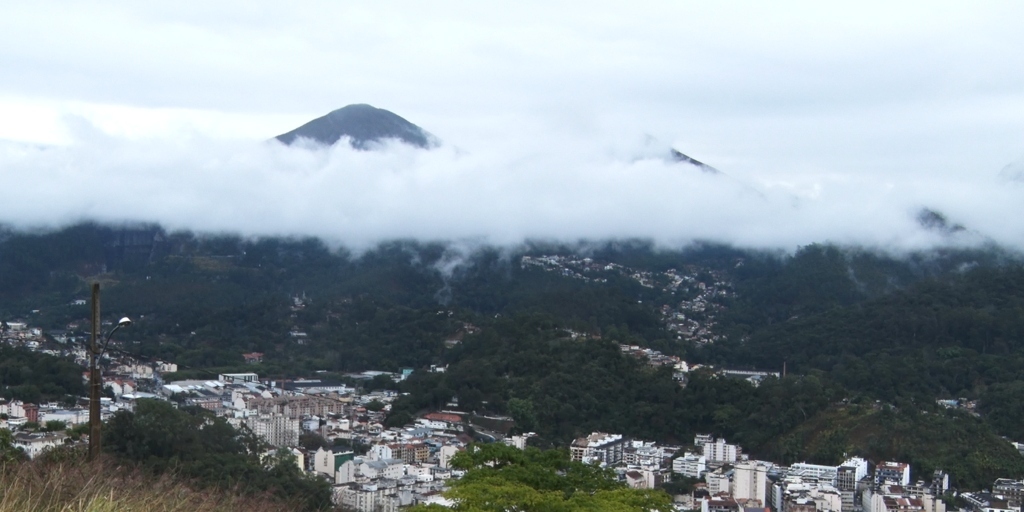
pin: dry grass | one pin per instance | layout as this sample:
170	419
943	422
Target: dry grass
67	483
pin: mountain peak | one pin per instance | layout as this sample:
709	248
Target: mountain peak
363	124
678	156
935	221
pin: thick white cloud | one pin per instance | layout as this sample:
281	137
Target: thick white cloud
840	122
567	189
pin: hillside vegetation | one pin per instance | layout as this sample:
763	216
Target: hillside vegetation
500	477
64	482
864	336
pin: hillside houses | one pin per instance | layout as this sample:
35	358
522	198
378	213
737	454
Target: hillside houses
701	291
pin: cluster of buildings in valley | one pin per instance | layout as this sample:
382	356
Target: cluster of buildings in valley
401	467
376	468
640	464
700	291
126	378
729	481
16	414
1006	495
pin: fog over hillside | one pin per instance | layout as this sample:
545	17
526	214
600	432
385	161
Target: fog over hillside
551	186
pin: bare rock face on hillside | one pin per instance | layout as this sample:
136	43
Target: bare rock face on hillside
363	125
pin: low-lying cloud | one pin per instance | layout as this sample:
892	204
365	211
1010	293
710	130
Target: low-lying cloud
504	193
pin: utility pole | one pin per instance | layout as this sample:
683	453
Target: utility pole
95	382
94	376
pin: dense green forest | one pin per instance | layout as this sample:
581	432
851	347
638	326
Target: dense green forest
36	377
947	338
870	340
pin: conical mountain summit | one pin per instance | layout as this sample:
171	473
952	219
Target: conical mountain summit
363	125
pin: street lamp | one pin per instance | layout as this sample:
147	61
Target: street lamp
123	322
95	382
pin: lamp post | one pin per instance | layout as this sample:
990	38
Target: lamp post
95	382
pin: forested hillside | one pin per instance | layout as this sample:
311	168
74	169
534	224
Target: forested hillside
869	341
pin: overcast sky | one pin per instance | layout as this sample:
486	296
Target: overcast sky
830	123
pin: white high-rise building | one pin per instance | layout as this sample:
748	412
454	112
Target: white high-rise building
691	464
345	473
277	430
719	451
749	481
896	472
717	481
380	451
598	447
445	454
859	465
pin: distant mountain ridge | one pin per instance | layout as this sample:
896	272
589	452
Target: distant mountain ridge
936	221
680	157
363	125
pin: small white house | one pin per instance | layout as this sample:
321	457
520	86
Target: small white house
35	443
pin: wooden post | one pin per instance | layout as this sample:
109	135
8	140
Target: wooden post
94	377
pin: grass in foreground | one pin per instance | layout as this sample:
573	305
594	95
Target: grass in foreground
67	483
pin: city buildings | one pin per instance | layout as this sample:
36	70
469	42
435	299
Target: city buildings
598	448
720	451
892	472
691	465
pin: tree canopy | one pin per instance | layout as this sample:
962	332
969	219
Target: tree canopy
502	478
207	450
